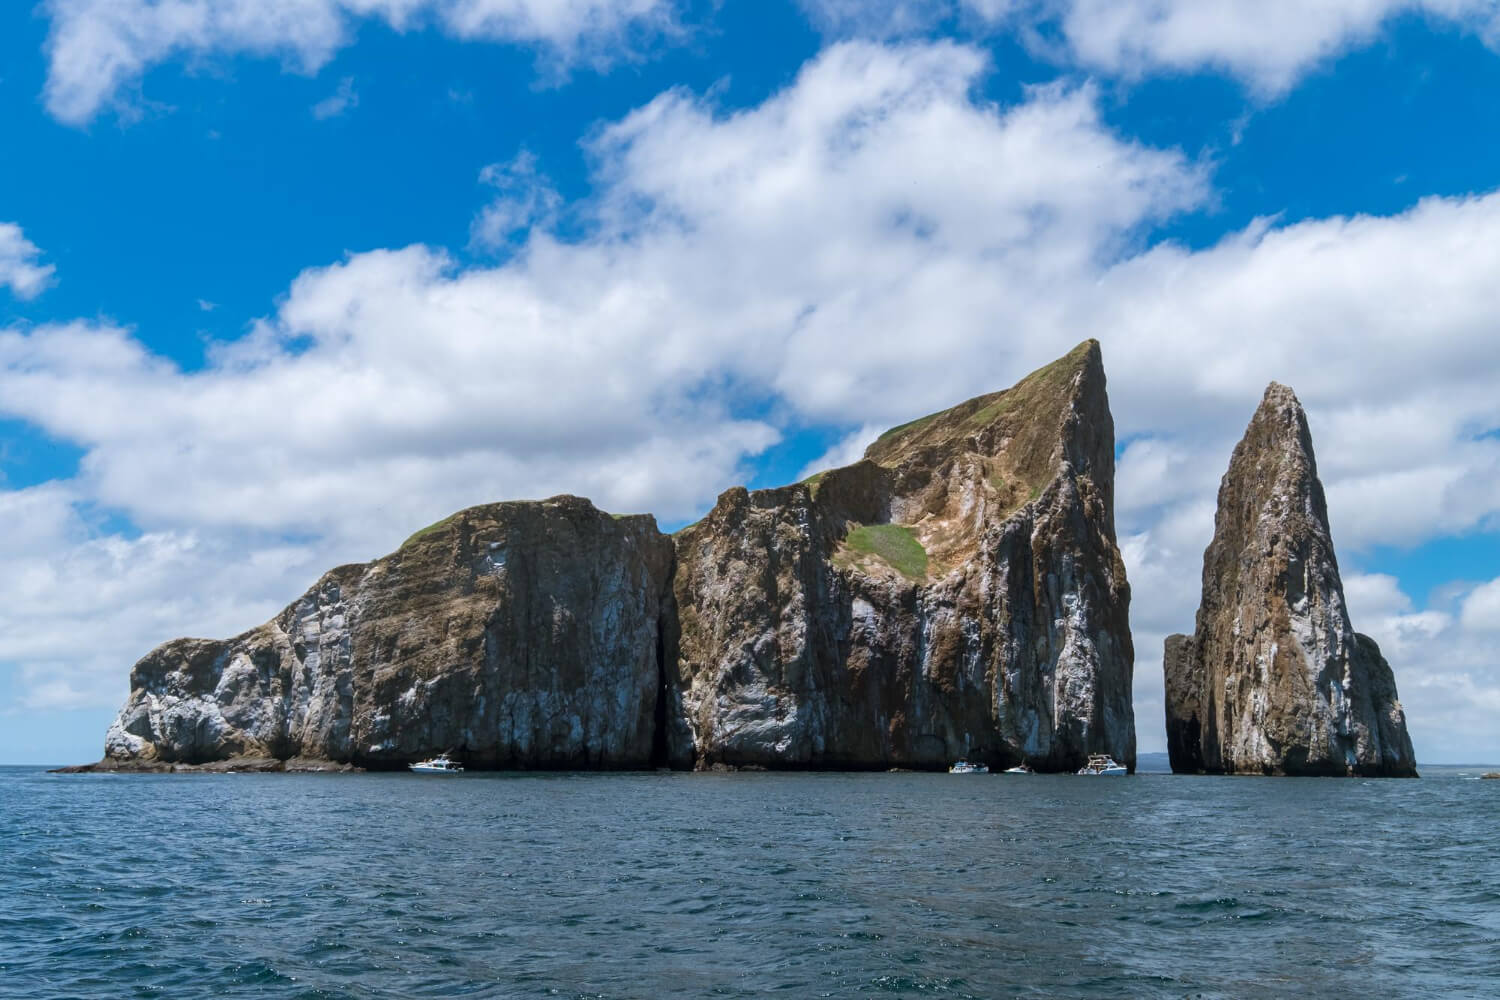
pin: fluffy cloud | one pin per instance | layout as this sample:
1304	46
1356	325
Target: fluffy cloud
19	270
1268	43
871	244
1445	663
80	604
98	49
1481	609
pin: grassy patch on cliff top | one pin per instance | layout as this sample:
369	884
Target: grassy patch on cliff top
430	529
896	544
815	480
910	425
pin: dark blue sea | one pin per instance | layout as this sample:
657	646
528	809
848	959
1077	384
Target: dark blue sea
744	885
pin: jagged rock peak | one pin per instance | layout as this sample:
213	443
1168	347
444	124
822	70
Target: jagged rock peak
1274	679
1058	413
957	591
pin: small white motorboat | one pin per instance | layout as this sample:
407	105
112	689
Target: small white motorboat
441	764
1102	763
965	767
1021	768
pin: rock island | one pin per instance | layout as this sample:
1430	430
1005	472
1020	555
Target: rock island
959	591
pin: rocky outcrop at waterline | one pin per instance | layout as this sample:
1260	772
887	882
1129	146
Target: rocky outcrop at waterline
1275	680
957	592
528	634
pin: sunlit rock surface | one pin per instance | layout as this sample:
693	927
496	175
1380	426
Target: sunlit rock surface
520	634
957	592
1275	680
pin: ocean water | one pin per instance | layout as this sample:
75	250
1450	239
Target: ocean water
744	885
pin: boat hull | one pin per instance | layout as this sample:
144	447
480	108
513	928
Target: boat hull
427	769
1103	765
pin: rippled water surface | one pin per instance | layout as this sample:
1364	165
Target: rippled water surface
686	885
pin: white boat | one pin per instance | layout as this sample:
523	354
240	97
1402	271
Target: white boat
1021	768
965	767
441	764
1102	763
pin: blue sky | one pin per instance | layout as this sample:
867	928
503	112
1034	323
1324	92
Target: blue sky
281	282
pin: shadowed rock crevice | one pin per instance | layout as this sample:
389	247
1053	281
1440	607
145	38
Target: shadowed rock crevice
1275	680
958	591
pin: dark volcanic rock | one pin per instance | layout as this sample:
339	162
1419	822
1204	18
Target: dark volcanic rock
1275	680
959	591
518	634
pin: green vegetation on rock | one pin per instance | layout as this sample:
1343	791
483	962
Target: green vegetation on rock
910	425
896	544
430	529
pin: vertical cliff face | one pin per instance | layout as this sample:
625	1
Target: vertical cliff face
1275	680
518	634
959	591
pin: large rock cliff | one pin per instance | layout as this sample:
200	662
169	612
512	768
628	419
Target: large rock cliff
958	591
1275	680
519	634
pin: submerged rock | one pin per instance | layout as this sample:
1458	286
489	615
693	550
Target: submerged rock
957	592
1275	680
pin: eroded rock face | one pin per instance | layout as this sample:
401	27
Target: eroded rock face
519	634
1275	680
959	591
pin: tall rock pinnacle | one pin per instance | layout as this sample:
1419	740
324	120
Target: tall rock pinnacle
1275	680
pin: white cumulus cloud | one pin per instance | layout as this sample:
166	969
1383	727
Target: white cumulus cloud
98	50
1481	609
1268	44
